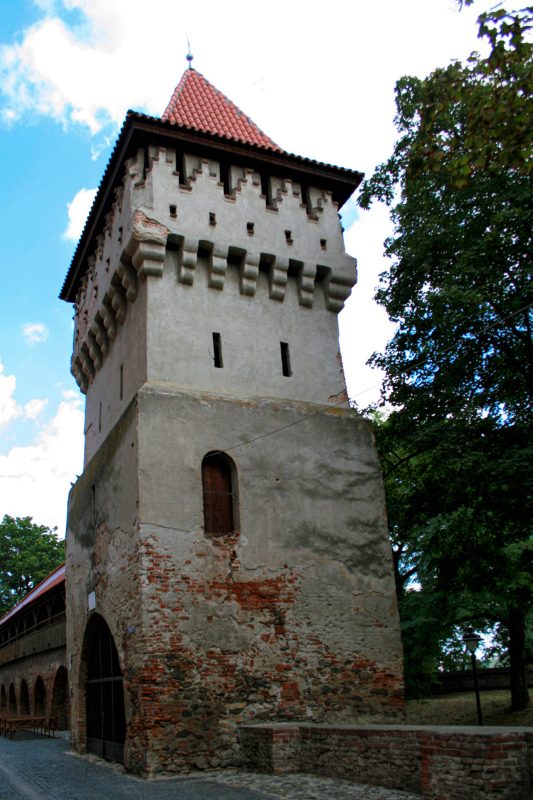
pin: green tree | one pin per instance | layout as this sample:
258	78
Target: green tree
459	369
459	505
28	553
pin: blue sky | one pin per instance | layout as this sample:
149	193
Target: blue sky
318	78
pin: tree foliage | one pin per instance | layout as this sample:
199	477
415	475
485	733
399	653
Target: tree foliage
28	553
457	447
459	507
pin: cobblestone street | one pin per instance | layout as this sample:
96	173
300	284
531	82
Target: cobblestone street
37	768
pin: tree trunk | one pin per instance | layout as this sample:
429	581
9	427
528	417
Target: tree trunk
517	656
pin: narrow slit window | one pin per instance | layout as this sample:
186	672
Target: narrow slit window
121	387
217	350
285	360
173	210
100	418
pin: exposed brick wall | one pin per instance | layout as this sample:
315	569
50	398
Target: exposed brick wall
439	763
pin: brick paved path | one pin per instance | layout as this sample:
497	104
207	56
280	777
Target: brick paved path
37	768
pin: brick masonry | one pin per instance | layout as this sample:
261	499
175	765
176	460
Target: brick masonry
440	763
38	684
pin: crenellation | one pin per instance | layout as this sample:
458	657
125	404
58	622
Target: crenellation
135	167
235	177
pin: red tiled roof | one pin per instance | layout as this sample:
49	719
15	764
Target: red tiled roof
54	579
197	104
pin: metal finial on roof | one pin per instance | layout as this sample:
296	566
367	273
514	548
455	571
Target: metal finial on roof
189	55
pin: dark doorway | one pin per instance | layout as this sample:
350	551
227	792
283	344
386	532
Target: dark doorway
60	700
12	703
24	698
39	697
106	722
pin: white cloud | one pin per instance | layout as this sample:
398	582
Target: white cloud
48	6
34	408
78	210
91	72
364	326
35	332
35	480
9	408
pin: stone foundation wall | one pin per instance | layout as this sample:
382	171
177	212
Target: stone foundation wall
440	763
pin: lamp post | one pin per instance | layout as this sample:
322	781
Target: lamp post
472	640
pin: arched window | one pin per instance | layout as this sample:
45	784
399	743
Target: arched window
218	480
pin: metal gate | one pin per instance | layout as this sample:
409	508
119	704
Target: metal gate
106	722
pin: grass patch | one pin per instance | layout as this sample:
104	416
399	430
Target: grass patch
460	709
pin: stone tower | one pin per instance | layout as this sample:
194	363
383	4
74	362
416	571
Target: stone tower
227	553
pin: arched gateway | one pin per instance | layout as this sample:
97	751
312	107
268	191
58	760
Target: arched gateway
104	693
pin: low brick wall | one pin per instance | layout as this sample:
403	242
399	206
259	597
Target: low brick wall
442	763
463	681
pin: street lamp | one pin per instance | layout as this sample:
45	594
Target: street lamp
472	640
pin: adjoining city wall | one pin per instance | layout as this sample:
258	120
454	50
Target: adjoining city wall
438	762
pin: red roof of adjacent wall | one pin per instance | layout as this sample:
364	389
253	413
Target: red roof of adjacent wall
197	104
50	582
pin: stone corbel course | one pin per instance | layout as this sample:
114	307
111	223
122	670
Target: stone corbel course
144	255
